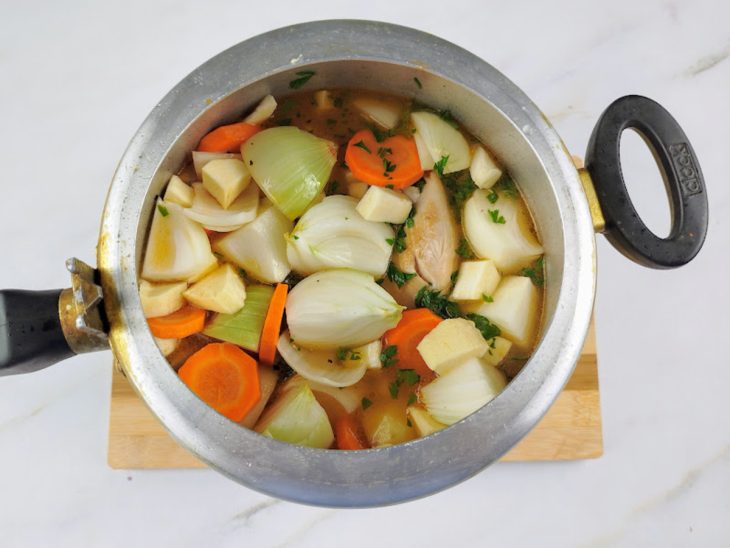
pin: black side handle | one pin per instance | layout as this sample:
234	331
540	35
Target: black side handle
31	337
682	178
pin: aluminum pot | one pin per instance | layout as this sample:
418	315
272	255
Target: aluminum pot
568	205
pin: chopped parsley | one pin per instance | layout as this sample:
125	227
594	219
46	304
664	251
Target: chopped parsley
379	134
347	354
487	328
387	356
507	186
399	242
487	298
408	377
496	217
382	151
303	77
163	210
535	272
418	82
295	237
397	276
460	187
389	167
436	303
419	184
366	402
441	164
390	186
492	197
464	250
409	220
362	145
412	398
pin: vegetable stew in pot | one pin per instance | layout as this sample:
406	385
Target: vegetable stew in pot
343	270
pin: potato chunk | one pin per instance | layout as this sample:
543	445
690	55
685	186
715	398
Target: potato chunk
178	192
514	310
384	205
161	299
498	349
451	343
220	291
225	179
475	280
483	169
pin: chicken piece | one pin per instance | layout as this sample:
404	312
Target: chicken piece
433	239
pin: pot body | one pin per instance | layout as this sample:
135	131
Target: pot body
377	57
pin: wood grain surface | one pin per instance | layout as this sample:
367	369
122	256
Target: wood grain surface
570	430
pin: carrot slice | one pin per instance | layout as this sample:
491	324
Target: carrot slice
394	161
178	325
272	324
227	138
224	377
347	434
413	326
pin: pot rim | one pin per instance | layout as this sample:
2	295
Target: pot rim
322	477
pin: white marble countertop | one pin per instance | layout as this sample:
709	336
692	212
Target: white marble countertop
78	79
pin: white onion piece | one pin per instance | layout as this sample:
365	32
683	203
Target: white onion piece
290	165
178	248
259	247
339	309
207	211
350	397
462	391
332	234
381	111
201	158
441	139
262	112
510	244
321	368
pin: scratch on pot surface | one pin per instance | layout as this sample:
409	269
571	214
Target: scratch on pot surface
299	534
685	484
709	61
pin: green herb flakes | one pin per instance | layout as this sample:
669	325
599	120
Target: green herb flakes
492	197
436	303
487	328
464	250
366	402
397	276
441	164
496	217
302	78
535	272
412	398
362	145
387	356
487	298
163	210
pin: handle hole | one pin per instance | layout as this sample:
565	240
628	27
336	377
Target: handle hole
644	181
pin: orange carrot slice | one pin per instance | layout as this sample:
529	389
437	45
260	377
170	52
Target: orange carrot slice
393	161
406	336
227	138
272	325
224	377
178	325
347	434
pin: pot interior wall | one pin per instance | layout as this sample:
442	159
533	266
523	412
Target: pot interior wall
482	119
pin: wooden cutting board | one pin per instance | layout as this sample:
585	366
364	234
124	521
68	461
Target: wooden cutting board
570	430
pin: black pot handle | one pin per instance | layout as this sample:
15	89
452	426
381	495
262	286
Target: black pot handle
682	177
40	328
31	337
